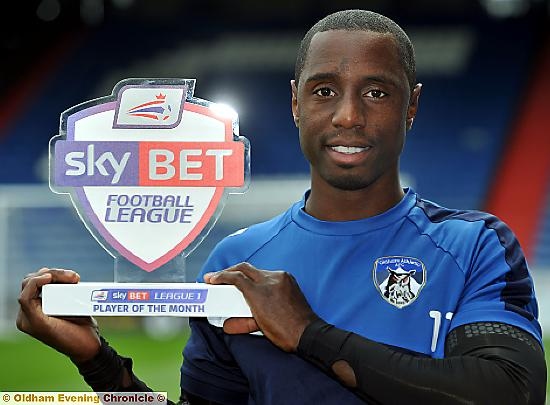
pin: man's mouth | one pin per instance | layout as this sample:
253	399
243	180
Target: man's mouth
349	150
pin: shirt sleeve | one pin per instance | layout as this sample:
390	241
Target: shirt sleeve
498	285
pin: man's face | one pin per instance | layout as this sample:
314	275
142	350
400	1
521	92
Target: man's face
352	106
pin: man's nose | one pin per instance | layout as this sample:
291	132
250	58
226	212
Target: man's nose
350	112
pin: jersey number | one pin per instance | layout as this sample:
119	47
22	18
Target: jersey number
436	316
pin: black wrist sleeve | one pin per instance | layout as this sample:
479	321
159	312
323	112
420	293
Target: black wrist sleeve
495	364
105	372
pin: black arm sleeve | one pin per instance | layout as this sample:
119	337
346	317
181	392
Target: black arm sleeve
104	373
485	363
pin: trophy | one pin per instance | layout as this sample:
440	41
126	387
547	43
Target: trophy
148	170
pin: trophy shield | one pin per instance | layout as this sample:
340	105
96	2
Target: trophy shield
148	170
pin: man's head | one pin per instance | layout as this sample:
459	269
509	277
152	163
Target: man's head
360	20
355	100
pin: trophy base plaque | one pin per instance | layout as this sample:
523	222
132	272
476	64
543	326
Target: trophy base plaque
144	299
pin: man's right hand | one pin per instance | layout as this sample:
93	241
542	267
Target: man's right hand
76	337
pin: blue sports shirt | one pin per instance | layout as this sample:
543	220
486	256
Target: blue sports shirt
404	278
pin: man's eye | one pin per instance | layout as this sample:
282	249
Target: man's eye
376	94
325	92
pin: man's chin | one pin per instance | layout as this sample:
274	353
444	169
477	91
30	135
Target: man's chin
348	183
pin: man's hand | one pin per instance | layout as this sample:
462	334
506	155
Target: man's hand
76	337
278	306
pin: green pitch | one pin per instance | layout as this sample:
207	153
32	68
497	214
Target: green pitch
30	366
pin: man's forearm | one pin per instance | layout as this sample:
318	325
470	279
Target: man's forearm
110	372
491	369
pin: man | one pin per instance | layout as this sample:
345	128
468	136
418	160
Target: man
384	298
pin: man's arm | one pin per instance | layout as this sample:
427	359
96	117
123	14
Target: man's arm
109	372
506	367
76	337
484	363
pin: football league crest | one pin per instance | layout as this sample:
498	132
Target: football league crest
399	279
149	167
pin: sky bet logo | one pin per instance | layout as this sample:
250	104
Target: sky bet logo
147	167
218	164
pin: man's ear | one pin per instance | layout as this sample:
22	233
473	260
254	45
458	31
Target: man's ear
413	105
295	109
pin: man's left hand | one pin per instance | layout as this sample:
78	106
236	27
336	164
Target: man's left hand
278	306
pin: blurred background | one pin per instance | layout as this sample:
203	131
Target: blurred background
481	139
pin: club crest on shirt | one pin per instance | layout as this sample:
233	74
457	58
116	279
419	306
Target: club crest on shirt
399	279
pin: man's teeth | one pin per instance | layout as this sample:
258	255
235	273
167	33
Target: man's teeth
347	149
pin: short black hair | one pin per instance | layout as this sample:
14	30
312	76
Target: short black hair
360	20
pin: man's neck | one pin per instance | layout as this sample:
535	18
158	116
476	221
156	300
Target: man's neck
331	204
